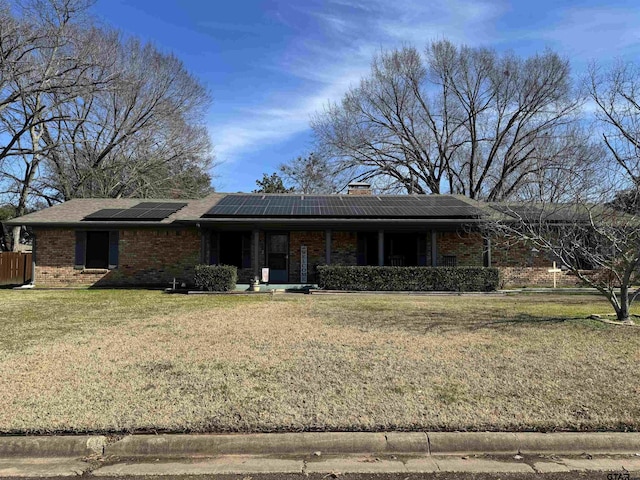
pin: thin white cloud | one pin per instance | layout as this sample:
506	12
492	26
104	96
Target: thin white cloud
335	55
590	33
460	21
269	124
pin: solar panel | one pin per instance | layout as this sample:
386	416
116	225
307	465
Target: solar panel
144	211
103	214
146	205
385	206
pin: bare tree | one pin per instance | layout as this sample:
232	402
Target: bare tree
84	112
44	61
597	243
310	174
456	119
142	136
571	157
599	223
616	95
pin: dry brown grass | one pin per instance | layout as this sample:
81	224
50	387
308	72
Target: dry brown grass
79	361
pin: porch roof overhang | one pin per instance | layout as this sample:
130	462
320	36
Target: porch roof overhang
337	223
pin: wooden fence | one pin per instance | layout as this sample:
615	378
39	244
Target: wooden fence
15	268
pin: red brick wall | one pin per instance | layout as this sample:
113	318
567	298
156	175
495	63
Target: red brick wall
55	258
146	257
515	277
344	248
509	254
359	191
156	256
520	266
467	247
315	243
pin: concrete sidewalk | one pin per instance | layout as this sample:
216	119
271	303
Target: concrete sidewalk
330	465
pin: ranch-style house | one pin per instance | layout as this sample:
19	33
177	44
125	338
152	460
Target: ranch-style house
141	242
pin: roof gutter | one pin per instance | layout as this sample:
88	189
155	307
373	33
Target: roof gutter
255	220
332	219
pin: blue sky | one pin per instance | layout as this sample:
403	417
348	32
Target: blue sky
270	64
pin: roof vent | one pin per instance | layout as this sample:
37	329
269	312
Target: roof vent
359	188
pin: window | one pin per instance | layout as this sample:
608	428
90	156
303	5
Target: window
97	253
235	249
96	249
449	261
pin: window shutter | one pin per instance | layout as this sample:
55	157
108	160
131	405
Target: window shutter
81	247
113	248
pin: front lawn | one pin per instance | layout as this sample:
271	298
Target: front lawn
117	360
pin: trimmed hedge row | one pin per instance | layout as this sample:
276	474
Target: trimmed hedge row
417	279
216	278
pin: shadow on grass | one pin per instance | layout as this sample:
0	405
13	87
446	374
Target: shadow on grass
441	322
523	319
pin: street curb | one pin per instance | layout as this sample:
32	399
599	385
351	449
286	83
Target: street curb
52	446
567	443
328	443
249	444
429	443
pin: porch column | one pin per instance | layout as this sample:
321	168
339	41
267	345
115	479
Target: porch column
327	247
33	258
256	253
203	246
434	248
381	247
488	247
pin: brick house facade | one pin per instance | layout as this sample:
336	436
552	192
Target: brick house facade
145	257
153	257
73	249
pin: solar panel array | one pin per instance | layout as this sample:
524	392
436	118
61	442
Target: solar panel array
145	211
409	206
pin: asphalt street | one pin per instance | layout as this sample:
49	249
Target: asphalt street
402	476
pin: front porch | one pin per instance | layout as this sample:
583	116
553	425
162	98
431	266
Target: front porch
292	254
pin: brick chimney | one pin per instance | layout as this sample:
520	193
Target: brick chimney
359	188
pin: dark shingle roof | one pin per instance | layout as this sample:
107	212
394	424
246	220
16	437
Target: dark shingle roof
74	211
261	207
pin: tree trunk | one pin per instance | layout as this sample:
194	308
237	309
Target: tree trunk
623	312
16	238
5	244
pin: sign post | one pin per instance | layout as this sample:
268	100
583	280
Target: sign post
555	270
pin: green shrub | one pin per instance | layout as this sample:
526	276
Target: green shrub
216	278
415	279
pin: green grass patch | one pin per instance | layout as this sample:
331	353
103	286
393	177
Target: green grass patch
123	361
36	317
